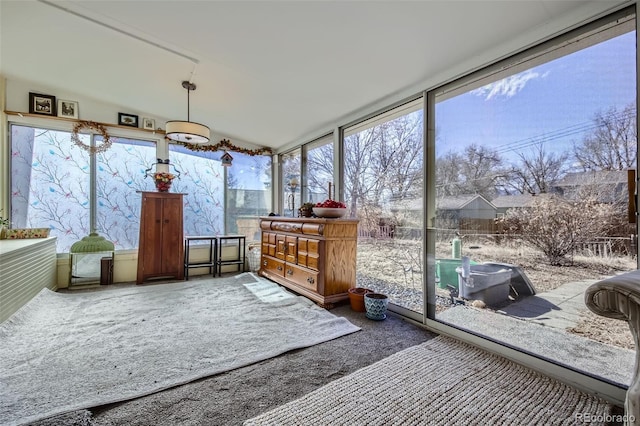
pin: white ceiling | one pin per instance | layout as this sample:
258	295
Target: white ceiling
269	73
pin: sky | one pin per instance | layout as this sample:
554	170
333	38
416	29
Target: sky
556	100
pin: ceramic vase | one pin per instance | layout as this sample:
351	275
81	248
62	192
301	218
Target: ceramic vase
356	298
376	306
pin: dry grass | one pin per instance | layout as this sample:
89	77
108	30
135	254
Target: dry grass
604	330
544	277
399	262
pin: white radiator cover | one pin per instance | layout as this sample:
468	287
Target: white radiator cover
26	267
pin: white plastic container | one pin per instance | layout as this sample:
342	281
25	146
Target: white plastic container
488	283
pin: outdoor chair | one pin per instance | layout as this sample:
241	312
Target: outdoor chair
619	297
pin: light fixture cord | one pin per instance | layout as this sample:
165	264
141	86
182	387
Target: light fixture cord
188	103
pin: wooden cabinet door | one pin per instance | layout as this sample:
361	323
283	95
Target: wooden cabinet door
308	253
150	246
161	246
281	247
172	240
269	243
291	251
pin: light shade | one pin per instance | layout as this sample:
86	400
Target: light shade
187	132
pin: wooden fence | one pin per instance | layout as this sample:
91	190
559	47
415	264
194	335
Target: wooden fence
607	246
487	230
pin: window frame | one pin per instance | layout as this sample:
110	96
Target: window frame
559	46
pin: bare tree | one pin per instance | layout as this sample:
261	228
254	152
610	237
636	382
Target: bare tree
537	170
320	169
612	145
477	170
359	175
291	166
448	173
400	163
382	166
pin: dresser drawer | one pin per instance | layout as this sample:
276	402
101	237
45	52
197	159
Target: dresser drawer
308	253
294	228
301	276
271	265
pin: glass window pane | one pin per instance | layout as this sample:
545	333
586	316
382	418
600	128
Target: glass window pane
319	172
120	172
50	183
202	180
528	167
383	184
291	166
248	194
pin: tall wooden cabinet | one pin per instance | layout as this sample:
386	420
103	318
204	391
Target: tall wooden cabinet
161	246
313	257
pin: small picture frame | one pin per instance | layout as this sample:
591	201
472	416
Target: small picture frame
67	109
42	104
127	119
148	123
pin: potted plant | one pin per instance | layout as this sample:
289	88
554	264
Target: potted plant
306	210
4	223
163	181
376	306
356	298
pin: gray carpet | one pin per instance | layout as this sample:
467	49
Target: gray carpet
440	382
65	352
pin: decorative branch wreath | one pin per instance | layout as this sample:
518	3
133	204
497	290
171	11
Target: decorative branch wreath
91	125
226	144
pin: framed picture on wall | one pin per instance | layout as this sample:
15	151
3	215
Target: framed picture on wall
67	109
148	123
42	104
127	119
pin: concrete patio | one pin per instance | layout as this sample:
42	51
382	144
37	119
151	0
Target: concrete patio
537	324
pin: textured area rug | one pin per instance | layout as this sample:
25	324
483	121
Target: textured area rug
65	352
441	382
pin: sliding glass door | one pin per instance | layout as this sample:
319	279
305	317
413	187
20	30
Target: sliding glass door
531	186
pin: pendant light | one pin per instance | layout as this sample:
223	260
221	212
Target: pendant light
187	131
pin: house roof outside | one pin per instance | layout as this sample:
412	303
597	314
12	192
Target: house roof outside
515	201
592	176
607	186
458	202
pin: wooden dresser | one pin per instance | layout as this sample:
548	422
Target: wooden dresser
313	257
161	246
